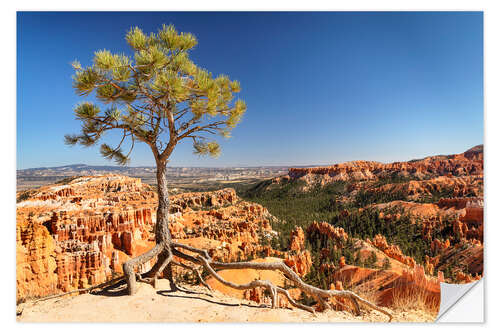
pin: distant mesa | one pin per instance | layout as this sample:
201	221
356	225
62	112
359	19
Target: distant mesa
467	163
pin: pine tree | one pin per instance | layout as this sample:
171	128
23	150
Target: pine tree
387	264
161	98
372	260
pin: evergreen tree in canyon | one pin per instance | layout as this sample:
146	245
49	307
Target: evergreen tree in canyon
161	98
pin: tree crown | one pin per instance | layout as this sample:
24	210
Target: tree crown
159	97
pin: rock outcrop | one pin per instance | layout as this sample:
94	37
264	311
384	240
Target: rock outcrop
391	250
324	231
468	163
35	260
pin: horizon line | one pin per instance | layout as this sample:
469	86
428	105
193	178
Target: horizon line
243	166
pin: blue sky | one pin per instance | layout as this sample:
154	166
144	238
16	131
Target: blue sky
321	88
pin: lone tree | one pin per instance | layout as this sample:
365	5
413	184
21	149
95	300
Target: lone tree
161	98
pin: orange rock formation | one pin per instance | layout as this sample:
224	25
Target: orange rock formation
468	163
392	251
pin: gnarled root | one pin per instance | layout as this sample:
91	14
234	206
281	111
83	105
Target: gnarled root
165	253
320	295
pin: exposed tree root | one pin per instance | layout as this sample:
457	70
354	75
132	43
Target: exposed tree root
206	262
165	262
319	294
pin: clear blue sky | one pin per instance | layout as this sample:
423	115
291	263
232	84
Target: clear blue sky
320	88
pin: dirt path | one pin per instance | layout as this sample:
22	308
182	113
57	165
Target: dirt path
162	305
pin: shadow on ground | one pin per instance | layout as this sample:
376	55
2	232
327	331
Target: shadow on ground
168	293
117	289
120	289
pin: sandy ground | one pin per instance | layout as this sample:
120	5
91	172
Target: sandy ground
162	305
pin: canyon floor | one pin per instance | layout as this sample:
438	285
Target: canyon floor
194	305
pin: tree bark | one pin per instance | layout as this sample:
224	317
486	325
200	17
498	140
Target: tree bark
162	232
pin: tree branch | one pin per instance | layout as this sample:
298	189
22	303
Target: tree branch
200	128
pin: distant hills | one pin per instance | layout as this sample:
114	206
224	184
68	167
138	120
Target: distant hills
84	169
107	168
35	177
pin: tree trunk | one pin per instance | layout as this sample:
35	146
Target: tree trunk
162	233
162	250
